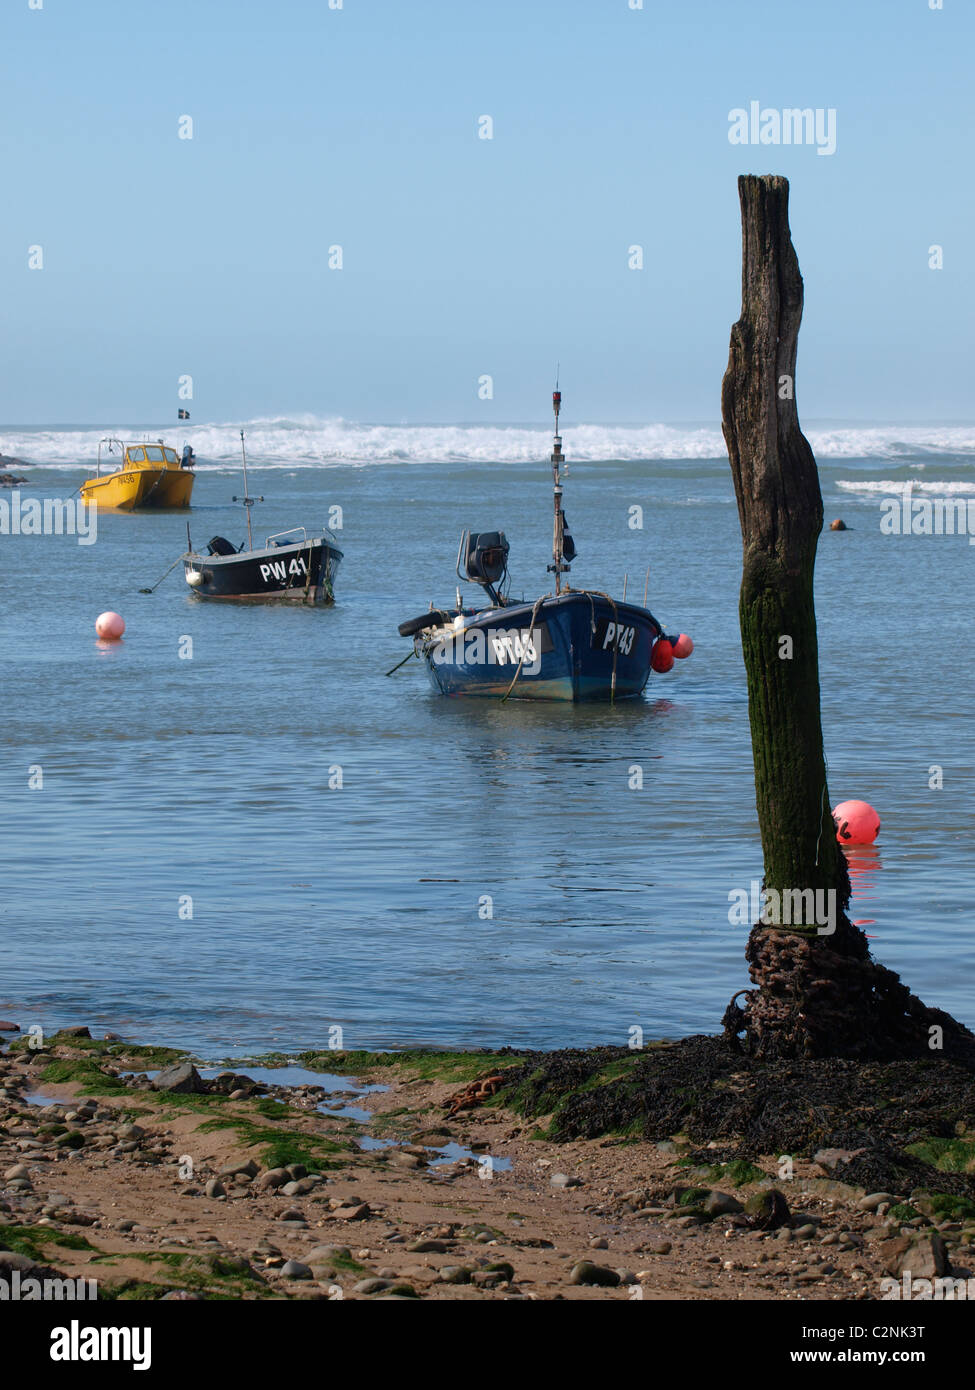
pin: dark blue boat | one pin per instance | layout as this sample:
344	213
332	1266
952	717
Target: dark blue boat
573	644
289	566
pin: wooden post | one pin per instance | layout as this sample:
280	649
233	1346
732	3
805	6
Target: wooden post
819	993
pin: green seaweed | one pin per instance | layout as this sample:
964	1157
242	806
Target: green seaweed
537	1091
346	1263
83	1073
738	1172
947	1155
273	1109
431	1064
132	1290
201	1272
903	1211
32	1240
147	1055
693	1196
180	1102
279	1147
946	1206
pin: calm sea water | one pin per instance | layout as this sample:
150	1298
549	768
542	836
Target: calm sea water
209	778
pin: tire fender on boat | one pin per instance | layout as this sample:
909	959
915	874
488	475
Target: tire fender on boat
435	618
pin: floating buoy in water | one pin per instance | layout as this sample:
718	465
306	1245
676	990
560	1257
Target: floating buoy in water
857	823
683	646
662	656
837	525
110	626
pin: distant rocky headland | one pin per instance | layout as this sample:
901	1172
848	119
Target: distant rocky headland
10	479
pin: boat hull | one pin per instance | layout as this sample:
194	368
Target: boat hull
302	573
138	488
582	647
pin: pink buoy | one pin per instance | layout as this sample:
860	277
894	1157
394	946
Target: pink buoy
857	823
683	646
110	626
662	656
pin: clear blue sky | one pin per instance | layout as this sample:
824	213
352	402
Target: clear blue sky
463	256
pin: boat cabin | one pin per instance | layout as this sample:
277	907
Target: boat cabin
139	455
142	457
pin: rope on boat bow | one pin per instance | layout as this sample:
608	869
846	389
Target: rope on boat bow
308	573
159	581
616	622
409	657
531	630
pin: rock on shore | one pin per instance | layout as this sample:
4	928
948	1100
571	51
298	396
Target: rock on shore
10	478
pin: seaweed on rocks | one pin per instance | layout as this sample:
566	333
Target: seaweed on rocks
750	1107
546	1078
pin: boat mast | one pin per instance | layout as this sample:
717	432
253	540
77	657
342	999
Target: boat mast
247	500
558	536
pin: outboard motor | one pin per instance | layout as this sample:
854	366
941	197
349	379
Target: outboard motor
486	560
189	458
221	546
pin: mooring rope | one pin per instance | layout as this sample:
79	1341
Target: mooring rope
589	593
162	474
822	806
616	644
412	654
308	567
531	629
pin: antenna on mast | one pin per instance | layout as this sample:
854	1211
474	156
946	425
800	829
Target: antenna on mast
247	501
559	567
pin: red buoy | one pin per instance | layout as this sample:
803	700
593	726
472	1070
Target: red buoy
683	646
857	823
662	656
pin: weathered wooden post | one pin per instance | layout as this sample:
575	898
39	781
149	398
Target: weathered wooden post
818	992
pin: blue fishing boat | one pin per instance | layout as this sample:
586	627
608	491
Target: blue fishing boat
572	644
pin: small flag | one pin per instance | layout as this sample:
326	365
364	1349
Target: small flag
183	415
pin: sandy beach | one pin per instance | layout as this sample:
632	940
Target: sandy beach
243	1191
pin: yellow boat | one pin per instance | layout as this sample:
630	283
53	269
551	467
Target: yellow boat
151	475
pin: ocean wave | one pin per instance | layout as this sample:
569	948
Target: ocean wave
890	488
899	442
308	441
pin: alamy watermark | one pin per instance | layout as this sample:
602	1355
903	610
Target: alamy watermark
29	1289
50	516
909	1289
480	646
908	515
793	125
792	907
77	1343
